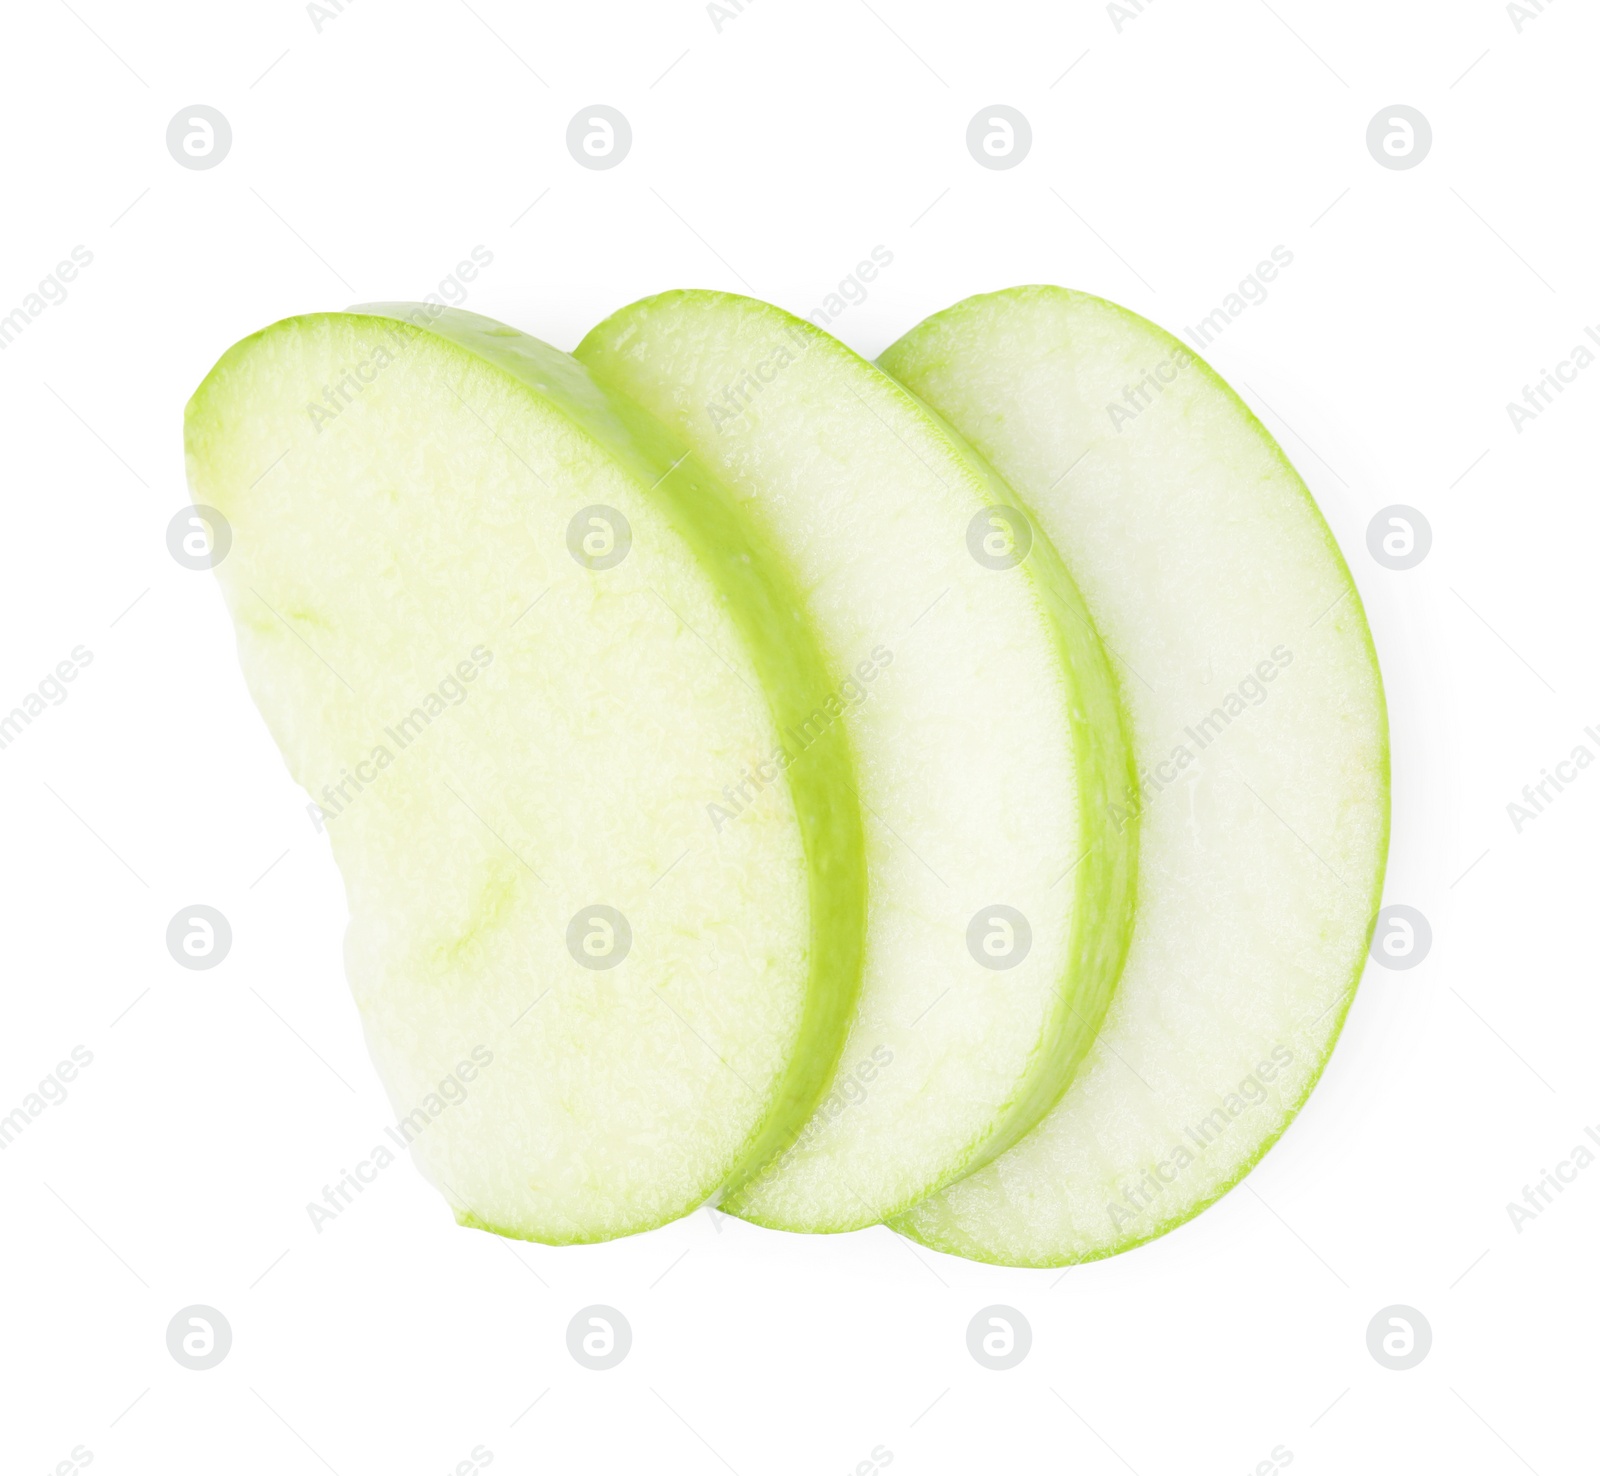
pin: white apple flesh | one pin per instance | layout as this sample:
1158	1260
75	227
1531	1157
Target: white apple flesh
1261	741
986	731
515	646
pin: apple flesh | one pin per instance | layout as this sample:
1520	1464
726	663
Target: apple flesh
516	647
1262	750
986	730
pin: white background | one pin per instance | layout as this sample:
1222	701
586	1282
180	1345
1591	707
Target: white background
1169	157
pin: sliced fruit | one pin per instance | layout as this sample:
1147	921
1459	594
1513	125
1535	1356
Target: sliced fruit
515	647
987	737
1262	748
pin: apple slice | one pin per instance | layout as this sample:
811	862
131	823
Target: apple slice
516	646
1262	750
987	736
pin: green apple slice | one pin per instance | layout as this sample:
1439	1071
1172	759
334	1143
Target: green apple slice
987	736
1262	749
516	647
